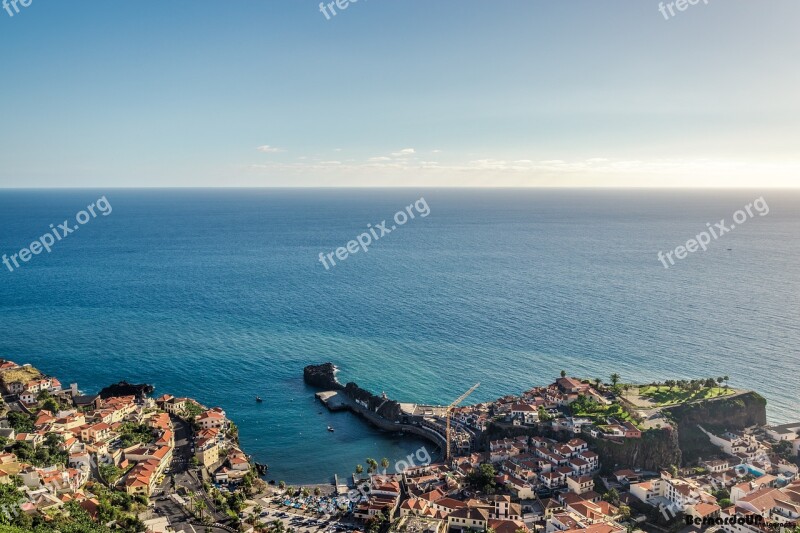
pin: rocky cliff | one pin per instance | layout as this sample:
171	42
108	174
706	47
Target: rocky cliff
123	388
657	449
322	376
717	416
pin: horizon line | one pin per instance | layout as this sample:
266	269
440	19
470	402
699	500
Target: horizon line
403	187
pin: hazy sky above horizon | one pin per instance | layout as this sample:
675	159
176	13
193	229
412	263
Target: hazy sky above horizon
400	93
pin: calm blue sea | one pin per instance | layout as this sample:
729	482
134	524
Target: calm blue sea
218	294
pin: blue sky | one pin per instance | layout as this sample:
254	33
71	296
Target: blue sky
400	93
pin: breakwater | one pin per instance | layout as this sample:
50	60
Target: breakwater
380	411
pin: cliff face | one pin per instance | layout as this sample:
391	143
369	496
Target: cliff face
657	449
744	410
717	416
322	376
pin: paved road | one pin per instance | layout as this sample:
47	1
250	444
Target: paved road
179	470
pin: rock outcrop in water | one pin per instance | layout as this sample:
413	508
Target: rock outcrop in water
322	376
123	388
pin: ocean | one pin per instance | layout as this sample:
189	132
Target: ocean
220	295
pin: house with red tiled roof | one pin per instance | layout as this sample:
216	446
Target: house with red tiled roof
213	418
413	506
466	518
96	432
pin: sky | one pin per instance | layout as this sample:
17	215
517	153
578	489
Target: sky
439	93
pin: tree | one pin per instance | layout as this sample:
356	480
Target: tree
375	523
544	416
612	497
615	379
10	498
624	512
670	383
372	465
281	485
201	506
51	405
21	422
725	379
482	478
359	469
385	463
597	383
563	373
317	492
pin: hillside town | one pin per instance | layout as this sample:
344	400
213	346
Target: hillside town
130	463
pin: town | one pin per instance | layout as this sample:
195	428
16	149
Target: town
548	460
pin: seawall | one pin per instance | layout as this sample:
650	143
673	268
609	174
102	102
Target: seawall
339	401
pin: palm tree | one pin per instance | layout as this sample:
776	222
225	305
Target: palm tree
597	382
614	379
372	465
385	463
317	492
725	379
359	469
563	373
201	506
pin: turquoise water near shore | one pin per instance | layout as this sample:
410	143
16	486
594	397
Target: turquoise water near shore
218	294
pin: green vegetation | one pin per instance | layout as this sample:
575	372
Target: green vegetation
21	422
482	479
587	407
131	433
48	453
111	473
113	506
192	410
676	392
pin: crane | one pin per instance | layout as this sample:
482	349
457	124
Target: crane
448	412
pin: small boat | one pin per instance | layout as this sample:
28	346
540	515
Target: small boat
330	428
258	399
